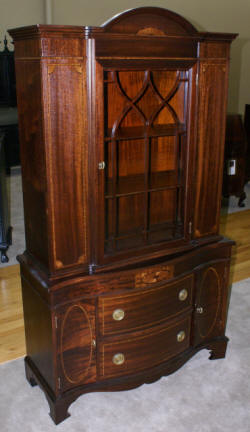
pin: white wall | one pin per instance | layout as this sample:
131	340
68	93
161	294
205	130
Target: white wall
17	13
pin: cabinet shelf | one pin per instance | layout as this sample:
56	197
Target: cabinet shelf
135	184
162	232
139	132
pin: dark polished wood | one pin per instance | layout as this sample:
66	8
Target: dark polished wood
125	275
5	228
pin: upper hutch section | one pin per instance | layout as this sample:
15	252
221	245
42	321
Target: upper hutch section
171	36
124	123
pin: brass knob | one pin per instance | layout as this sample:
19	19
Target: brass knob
101	165
183	294
118	359
118	314
94	343
200	310
181	336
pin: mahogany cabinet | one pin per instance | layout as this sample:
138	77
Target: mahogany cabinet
122	130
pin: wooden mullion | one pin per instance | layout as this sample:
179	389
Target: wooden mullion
177	168
114	198
146	188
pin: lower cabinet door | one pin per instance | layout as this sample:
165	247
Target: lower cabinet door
134	353
210	302
76	357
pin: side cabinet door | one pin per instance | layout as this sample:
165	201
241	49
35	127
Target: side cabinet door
65	135
76	358
211	136
211	302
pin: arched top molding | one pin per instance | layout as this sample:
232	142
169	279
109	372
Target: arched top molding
149	21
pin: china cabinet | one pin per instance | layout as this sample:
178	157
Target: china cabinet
122	130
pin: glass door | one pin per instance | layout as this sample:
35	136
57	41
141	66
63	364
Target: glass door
145	157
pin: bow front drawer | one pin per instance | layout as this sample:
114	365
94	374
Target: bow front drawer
133	311
134	353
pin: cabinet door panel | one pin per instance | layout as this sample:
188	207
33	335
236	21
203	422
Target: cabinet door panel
76	351
66	159
211	301
143	182
211	135
33	158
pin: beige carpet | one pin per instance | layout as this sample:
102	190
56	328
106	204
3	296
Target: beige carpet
203	396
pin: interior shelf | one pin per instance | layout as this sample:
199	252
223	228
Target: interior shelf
138	132
158	233
135	184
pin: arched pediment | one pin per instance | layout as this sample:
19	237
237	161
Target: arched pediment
149	21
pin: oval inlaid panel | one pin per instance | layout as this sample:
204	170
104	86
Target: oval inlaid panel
76	344
209	300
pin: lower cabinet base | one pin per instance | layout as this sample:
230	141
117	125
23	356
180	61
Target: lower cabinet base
59	405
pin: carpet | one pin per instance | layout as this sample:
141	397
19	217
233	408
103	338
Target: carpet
202	396
16	213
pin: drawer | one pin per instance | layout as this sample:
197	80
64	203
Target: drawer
133	311
136	353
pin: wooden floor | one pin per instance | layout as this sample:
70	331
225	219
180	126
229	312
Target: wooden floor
12	344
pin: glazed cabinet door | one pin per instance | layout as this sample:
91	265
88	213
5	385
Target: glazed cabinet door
144	165
211	301
76	357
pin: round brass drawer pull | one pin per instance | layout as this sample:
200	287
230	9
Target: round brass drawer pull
118	314
200	310
183	294
118	359
181	336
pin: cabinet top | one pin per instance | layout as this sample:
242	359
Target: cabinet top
140	22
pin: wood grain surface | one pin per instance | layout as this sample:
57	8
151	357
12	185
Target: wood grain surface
141	80
235	225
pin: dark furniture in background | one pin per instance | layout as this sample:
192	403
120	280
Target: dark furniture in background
122	130
247	130
9	125
5	228
7	76
235	160
8	110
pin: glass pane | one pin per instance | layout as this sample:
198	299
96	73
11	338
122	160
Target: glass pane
164	222
162	207
163	162
130	214
145	140
171	87
124	222
125	167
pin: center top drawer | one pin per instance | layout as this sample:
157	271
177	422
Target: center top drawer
134	311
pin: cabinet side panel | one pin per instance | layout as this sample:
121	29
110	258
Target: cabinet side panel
211	301
32	157
211	135
76	337
65	114
38	331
